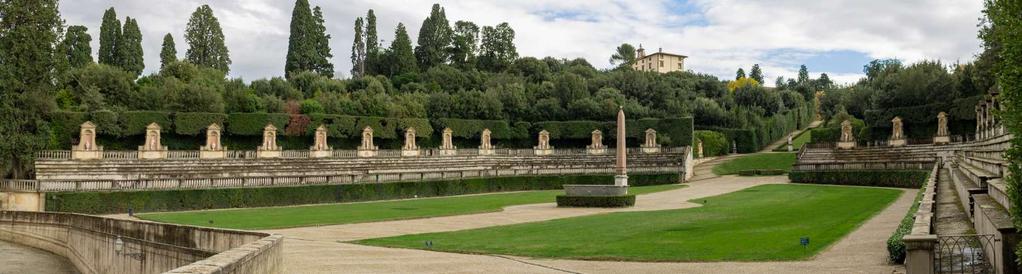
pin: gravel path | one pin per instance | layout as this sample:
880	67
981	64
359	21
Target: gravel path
18	259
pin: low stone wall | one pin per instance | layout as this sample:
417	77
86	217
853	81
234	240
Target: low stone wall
89	243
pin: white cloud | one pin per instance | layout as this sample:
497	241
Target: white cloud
718	35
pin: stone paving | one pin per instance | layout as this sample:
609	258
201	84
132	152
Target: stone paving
19	259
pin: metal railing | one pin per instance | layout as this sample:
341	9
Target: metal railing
964	254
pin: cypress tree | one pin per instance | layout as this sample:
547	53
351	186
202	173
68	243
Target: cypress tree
400	55
358	51
206	41
75	48
301	47
372	45
109	35
168	53
434	39
322	65
129	48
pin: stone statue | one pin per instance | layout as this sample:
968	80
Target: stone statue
847	140
485	148
87	148
543	148
320	142
367	149
152	148
213	148
410	149
597	139
896	129
446	143
942	136
699	148
269	149
650	146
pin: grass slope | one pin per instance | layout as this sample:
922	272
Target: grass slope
346	213
797	142
782	161
756	224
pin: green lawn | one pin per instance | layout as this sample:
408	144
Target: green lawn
346	213
797	142
781	161
762	223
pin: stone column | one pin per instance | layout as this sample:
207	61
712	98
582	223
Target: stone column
897	135
596	147
919	253
847	140
621	167
213	148
152	149
979	121
410	149
485	147
87	148
543	147
269	148
447	144
650	146
320	147
942	137
367	149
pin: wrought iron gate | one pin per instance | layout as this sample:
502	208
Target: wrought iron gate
965	254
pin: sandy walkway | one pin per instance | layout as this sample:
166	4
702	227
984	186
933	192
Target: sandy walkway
18	259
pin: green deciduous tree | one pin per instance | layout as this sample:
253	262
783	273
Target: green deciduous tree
497	49
434	39
168	53
75	48
465	44
129	48
624	55
206	46
109	36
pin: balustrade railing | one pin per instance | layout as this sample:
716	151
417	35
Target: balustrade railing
863	165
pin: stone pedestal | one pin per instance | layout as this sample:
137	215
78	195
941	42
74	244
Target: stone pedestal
596	151
94	154
650	150
320	153
941	140
266	153
919	253
452	152
212	154
487	151
152	154
367	152
790	148
543	151
845	145
621	180
409	153
897	143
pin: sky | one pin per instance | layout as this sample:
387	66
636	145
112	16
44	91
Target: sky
836	37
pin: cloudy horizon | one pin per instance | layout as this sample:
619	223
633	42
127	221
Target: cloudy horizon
719	36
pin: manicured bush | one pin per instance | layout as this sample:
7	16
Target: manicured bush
573	129
176	200
825	135
678	131
383	128
106	123
745	139
252	124
135	122
65	126
883	178
714	143
595	201
895	245
466	128
338	126
196	123
423	129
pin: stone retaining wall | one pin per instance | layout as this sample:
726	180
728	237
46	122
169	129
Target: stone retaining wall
89	243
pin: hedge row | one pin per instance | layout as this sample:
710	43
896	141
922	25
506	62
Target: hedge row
176	200
596	201
761	172
499	129
895	245
745	139
714	143
882	178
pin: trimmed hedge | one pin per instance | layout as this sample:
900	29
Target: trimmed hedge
106	123
423	129
65	126
176	200
744	139
383	128
135	122
895	245
338	126
761	172
196	123
596	201
883	178
714	143
574	129
466	128
252	124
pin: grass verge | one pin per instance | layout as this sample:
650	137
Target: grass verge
778	161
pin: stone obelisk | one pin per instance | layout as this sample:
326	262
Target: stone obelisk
621	169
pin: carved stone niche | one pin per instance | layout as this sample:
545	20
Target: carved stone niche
269	148
650	146
87	148
544	148
897	135
447	147
942	137
596	147
485	147
367	149
152	149
213	148
410	149
847	140
320	148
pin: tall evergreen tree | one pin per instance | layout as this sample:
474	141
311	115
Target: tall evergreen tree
29	31
756	73
358	51
497	47
434	39
400	58
740	74
372	41
206	41
129	48
323	65
624	55
75	48
465	44
168	53
109	35
301	49
803	75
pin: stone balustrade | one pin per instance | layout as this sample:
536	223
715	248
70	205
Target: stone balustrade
921	241
384	153
90	243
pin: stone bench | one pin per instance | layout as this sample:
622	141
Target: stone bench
993	219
